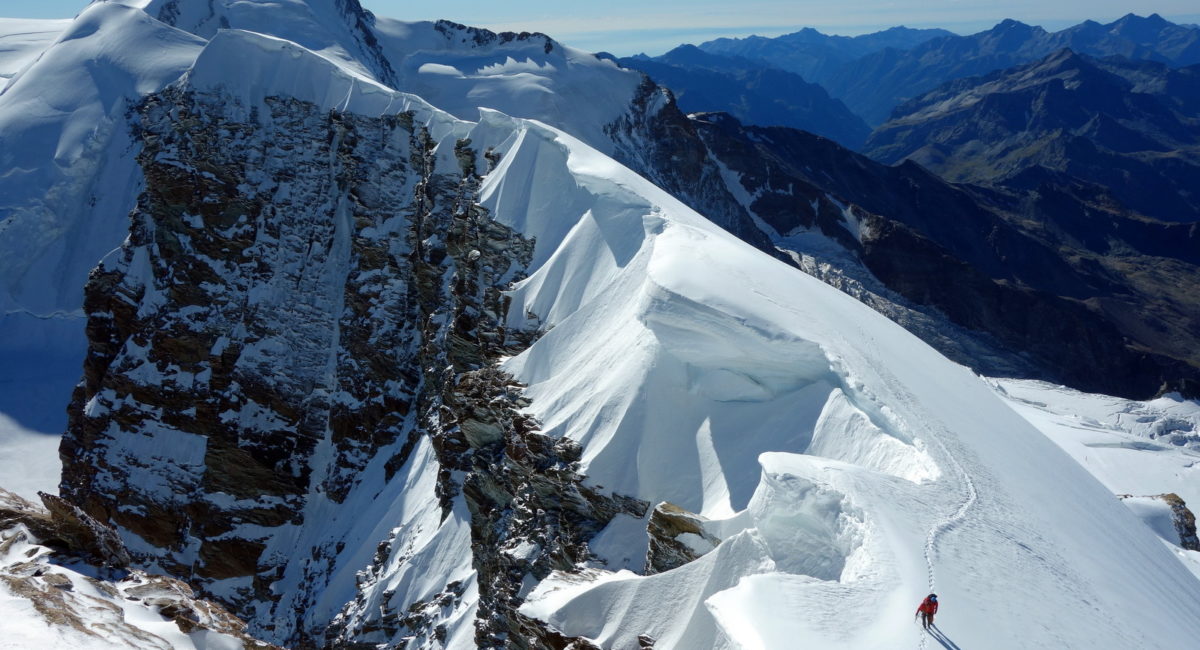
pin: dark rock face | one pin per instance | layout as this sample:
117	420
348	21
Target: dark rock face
1076	346
482	37
658	141
304	297
668	547
1059	282
258	313
530	512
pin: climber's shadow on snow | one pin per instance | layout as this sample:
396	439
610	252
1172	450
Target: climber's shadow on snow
941	638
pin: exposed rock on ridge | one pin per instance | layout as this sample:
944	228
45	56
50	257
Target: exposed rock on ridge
655	139
304	297
1184	520
676	538
67	566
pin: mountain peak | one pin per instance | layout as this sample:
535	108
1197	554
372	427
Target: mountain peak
1064	55
1012	31
806	35
689	55
1152	19
1009	34
1064	60
1009	23
1140	28
686	48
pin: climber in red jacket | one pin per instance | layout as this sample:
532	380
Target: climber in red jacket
927	609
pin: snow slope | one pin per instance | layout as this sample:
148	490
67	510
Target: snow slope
22	41
68	179
460	70
678	357
457	68
28	460
1140	449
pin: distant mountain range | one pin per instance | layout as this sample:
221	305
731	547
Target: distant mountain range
899	64
1132	127
1091	293
1050	218
751	91
814	55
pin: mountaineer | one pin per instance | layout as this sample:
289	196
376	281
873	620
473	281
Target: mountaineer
927	609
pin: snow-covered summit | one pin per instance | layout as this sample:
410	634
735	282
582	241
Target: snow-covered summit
458	68
65	143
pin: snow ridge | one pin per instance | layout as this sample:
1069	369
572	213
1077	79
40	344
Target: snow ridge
970	494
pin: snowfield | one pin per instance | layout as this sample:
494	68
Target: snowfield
28	460
846	468
1139	450
22	41
849	467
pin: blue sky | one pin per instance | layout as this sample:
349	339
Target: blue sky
630	26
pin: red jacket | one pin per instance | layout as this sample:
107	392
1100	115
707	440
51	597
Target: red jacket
928	606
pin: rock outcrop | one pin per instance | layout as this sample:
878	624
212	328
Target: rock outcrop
655	139
306	300
530	511
676	538
1184	520
61	525
40	552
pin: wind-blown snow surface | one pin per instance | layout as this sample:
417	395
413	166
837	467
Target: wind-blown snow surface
68	179
678	355
22	41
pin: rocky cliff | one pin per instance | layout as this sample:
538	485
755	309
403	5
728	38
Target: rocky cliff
73	573
307	308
